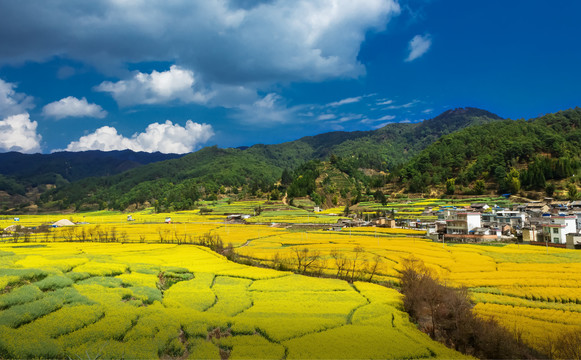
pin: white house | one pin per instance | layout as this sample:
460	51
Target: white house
462	223
556	231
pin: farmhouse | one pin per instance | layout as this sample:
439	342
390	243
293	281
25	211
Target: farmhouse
536	208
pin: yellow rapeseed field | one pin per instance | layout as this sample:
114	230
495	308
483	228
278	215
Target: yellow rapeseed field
139	300
512	283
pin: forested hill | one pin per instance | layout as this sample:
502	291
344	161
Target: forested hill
506	156
202	174
380	149
21	171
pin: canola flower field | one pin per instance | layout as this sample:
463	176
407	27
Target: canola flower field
95	300
533	291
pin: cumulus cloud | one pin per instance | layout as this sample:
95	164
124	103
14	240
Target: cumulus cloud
166	138
418	46
18	133
225	42
11	102
73	107
176	84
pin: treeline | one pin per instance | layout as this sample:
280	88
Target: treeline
354	267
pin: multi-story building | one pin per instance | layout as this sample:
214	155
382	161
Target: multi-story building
515	219
462	223
556	231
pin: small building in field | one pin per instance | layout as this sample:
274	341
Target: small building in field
384	222
573	241
530	234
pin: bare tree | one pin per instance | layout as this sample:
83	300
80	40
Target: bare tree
342	263
374	267
305	259
356	263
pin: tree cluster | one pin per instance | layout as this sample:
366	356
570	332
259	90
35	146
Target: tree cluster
445	314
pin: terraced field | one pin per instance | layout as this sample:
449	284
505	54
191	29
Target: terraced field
533	291
89	300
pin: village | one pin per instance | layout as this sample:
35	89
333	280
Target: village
547	223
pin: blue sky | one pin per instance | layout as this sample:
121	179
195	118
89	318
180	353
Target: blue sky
178	75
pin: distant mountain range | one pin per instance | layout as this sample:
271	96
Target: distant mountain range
465	144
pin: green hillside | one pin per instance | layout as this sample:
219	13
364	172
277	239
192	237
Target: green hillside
506	156
204	174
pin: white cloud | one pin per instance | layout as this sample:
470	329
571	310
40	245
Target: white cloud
350	100
225	42
349	117
386	117
384	102
11	102
403	106
73	107
267	111
418	46
427	111
176	84
18	133
165	138
327	117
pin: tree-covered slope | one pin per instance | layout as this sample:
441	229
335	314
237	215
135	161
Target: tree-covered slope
201	174
512	154
61	167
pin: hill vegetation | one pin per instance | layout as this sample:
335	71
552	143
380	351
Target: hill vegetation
463	151
179	183
506	156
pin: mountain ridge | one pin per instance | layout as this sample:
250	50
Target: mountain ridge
203	173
